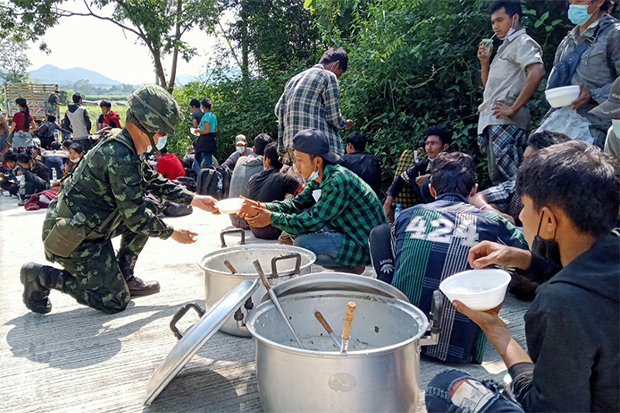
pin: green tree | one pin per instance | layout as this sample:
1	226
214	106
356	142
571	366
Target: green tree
13	60
159	25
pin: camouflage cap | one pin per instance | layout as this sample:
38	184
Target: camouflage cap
155	108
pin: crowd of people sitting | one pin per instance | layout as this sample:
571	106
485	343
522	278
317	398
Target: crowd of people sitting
550	214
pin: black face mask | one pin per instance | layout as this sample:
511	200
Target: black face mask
547	248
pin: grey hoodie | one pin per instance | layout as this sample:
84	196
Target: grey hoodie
77	119
246	167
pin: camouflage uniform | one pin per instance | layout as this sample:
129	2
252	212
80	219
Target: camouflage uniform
108	188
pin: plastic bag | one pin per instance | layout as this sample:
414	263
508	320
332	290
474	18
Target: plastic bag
567	121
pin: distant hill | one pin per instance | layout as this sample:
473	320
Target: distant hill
67	77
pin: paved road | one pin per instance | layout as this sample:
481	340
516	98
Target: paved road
78	359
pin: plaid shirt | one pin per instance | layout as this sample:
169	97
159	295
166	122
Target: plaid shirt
406	198
347	205
311	100
501	194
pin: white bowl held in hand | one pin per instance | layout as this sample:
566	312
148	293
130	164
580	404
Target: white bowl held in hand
230	205
562	96
478	289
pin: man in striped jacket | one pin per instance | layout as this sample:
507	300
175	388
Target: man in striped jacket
431	243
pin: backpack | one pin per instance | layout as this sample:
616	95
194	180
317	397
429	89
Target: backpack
208	180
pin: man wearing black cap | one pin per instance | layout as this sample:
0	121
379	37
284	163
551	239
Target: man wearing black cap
332	216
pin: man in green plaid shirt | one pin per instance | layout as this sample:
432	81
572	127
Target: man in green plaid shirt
332	216
311	100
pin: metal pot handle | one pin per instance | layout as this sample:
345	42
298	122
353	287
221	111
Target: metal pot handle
435	318
274	266
180	314
232	231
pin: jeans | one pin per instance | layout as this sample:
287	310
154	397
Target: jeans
485	396
325	244
202	157
2	142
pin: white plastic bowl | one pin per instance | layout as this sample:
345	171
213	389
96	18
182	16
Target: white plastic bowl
478	289
230	205
562	96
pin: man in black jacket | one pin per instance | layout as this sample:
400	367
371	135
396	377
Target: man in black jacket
364	164
437	139
571	195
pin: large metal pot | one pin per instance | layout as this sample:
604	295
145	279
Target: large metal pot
280	263
380	372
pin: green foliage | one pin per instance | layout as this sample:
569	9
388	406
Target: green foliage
242	106
13	61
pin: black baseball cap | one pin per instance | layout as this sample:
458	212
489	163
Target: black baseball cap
314	142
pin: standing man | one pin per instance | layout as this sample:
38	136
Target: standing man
332	216
595	41
52	102
194	105
311	100
104	198
509	83
78	121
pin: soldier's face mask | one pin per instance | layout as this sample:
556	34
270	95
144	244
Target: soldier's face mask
161	143
131	117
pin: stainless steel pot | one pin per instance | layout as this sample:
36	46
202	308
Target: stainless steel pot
280	263
380	372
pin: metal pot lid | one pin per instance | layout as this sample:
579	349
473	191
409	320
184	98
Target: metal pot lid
337	281
196	337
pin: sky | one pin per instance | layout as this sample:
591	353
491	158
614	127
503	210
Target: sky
101	46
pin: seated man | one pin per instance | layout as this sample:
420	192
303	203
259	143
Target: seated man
332	216
438	139
247	166
241	149
45	131
108	118
38	168
76	153
55	159
8	179
271	185
431	243
503	197
364	164
571	197
169	164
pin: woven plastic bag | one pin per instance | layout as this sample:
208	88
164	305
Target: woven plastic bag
567	121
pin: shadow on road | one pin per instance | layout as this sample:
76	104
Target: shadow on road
76	338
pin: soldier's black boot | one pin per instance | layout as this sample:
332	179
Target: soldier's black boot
36	294
137	287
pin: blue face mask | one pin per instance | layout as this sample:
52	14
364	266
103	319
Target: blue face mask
240	149
313	176
578	14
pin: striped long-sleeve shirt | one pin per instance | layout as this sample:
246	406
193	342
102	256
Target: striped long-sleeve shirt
347	205
432	242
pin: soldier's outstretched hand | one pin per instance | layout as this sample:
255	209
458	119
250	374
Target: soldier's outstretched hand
184	236
206	203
